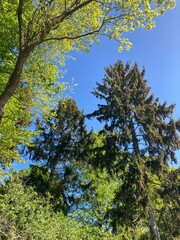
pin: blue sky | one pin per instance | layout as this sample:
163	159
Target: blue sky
157	50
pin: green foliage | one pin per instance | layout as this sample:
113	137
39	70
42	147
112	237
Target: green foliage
37	94
118	179
23	214
168	205
26	215
13	129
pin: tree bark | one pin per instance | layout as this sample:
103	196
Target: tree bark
153	225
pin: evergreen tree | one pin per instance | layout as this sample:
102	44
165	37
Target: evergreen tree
142	129
56	152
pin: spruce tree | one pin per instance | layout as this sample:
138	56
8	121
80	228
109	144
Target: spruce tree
55	153
141	128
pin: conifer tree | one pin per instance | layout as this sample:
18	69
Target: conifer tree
56	152
139	126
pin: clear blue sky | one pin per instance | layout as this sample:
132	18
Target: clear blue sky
158	50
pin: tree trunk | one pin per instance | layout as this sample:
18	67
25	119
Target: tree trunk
134	139
52	174
153	225
152	220
14	79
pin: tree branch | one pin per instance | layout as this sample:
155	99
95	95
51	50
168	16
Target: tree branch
75	37
20	22
66	14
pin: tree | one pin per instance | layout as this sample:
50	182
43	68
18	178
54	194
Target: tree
57	151
60	26
142	129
